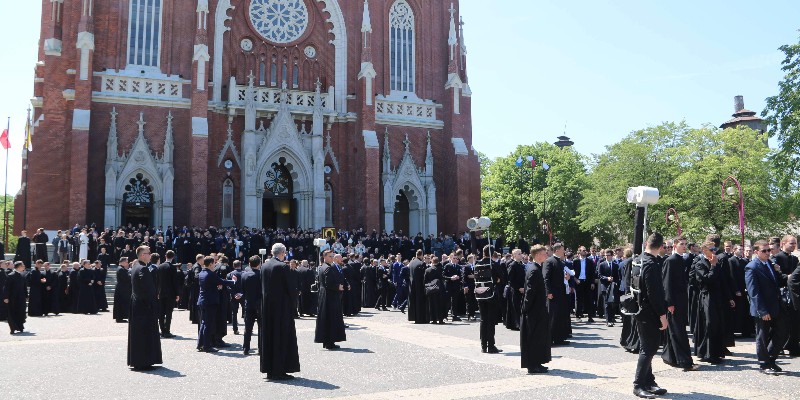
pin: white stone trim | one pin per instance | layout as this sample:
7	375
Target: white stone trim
99	97
52	47
69	94
199	126
85	44
460	147
370	139
220	17
368	72
202	57
81	119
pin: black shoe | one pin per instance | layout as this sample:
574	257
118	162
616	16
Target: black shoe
455	319
591	320
122	321
145	368
246	351
332	346
483	349
657	390
775	367
403	310
222	344
537	370
715	361
689	368
561	343
639	392
384	309
167	335
767	369
610	324
493	350
279	377
235	332
208	350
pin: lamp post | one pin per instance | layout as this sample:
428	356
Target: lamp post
731	191
672	217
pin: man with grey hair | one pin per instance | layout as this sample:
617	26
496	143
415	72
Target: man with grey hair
277	337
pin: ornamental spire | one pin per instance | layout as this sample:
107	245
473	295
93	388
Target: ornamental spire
366	24
451	38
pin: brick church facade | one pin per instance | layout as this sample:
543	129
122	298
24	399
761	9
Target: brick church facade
258	113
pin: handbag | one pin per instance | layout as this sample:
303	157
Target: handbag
432	287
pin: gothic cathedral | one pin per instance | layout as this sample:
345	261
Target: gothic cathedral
257	113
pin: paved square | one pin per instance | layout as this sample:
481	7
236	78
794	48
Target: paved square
385	357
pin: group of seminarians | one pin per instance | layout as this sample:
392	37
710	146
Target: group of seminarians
707	288
42	291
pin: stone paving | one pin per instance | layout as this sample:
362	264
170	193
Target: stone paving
385	357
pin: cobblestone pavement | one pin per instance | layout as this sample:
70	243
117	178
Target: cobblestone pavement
385	357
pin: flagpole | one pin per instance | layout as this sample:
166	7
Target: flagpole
5	193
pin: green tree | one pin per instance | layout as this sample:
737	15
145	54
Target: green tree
688	167
517	198
644	158
10	243
782	114
710	155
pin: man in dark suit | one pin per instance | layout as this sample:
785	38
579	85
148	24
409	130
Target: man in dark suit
208	301
250	296
609	277
417	310
586	274
169	287
651	319
676	293
553	270
237	288
763	288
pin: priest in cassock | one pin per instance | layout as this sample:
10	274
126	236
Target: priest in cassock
534	330
277	337
14	297
516	285
709	334
23	249
557	299
63	289
3	278
330	321
144	343
417	308
86	294
122	292
369	285
676	295
50	301
308	299
36	281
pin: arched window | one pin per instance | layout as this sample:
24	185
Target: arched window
401	47
262	76
227	203
144	33
274	73
328	205
284	73
295	76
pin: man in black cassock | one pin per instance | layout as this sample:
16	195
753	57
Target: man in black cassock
308	299
516	284
122	292
369	285
86	292
435	297
353	278
193	283
50	294
144	344
417	309
788	263
277	337
23	249
330	321
677	351
553	270
169	287
3	278
35	281
100	274
14	297
744	322
534	330
40	240
709	334
63	289
74	287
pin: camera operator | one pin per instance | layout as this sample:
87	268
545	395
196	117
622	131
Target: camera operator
490	275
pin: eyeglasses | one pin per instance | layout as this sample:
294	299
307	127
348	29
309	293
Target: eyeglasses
764	251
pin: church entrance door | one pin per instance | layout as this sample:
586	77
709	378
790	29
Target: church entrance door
137	205
402	210
279	207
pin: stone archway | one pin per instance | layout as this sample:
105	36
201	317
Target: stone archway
406	211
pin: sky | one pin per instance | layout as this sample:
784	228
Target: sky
602	68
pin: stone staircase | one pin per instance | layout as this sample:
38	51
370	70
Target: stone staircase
111	283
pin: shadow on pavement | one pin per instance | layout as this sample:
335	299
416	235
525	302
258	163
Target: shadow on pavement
356	351
306	383
164	372
576	375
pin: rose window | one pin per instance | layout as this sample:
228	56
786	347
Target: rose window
279	21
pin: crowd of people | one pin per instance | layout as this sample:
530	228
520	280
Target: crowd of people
717	291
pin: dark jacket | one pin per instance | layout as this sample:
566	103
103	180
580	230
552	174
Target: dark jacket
209	294
651	284
763	288
251	289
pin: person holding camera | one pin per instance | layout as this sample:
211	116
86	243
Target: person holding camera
652	318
